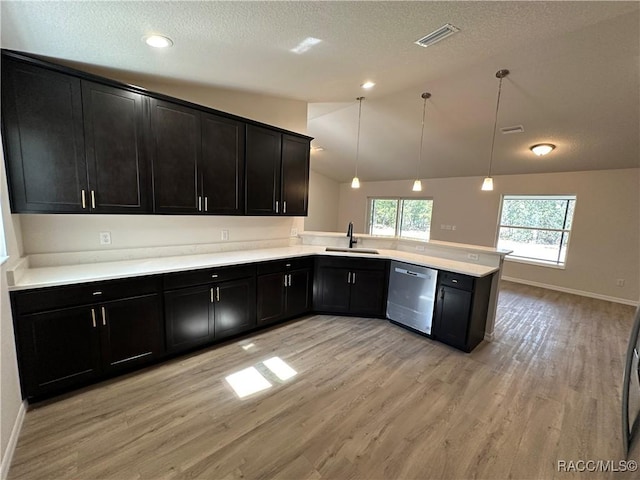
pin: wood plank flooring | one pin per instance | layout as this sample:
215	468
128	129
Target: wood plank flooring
370	401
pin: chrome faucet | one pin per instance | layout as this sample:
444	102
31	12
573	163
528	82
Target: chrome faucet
350	235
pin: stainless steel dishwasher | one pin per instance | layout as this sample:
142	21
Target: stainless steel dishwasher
412	293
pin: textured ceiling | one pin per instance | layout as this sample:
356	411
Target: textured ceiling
574	73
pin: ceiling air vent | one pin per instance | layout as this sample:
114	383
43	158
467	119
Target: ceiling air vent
514	129
437	35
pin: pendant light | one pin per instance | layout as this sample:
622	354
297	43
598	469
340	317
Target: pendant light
355	183
417	184
487	184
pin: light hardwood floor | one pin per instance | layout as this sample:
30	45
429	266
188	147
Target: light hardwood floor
370	401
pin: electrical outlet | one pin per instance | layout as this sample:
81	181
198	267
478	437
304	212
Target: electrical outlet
105	238
620	282
225	235
453	227
420	248
472	256
294	232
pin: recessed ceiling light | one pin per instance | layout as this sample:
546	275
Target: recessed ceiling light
542	148
158	41
368	84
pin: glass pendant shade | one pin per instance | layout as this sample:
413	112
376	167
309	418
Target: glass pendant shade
355	183
417	186
487	185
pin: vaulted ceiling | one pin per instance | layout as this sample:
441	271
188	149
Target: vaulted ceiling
574	81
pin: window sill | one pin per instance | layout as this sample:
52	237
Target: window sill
538	263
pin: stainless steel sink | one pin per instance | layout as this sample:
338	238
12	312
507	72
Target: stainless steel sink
351	250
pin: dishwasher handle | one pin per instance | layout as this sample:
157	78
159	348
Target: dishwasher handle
404	271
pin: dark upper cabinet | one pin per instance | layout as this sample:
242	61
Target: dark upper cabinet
118	170
175	154
263	153
352	286
295	175
44	139
198	161
460	313
222	165
277	173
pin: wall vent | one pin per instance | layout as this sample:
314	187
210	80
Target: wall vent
514	129
437	35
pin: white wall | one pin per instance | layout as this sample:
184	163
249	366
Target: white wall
324	197
10	397
604	244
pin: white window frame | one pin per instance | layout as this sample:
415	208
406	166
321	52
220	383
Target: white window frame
537	261
398	216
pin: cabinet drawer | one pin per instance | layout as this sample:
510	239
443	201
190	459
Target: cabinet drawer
457	280
207	275
96	292
285	265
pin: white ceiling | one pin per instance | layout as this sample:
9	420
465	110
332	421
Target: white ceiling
575	70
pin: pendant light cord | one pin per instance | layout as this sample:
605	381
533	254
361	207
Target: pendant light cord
495	124
424	109
358	135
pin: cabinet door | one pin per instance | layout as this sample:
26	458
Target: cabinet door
332	292
271	298
222	165
131	331
235	306
299	292
263	171
295	175
44	139
57	349
368	292
452	316
175	153
188	317
113	126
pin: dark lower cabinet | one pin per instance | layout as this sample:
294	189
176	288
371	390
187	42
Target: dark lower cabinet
351	286
461	308
60	348
284	289
221	304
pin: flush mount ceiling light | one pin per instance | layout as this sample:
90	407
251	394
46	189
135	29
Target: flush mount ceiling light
417	184
305	45
440	34
487	184
355	183
368	85
158	41
542	148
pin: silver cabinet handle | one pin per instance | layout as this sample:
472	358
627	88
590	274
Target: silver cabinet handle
93	199
217	294
98	292
211	294
199	203
284	207
104	316
214	276
276	206
289	279
93	317
349	278
84	200
285	280
354	278
206	204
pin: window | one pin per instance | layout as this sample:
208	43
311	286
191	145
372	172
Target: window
536	228
402	217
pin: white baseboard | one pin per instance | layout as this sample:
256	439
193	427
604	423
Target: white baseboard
582	293
7	456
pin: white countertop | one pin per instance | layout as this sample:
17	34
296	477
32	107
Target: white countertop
72	274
